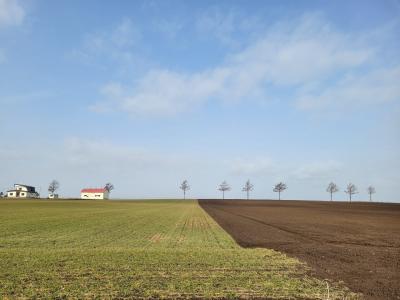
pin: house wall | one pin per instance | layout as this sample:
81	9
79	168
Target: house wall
11	194
94	195
20	187
21	194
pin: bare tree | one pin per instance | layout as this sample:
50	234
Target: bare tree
248	187
53	186
224	187
109	187
280	187
184	187
371	190
351	190
332	188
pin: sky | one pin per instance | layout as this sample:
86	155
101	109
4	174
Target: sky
145	94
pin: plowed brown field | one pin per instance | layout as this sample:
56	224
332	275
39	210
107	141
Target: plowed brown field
358	243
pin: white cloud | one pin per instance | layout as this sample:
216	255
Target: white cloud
114	45
112	91
254	166
317	170
169	28
11	13
376	87
288	55
24	98
162	92
225	26
218	24
124	34
265	166
104	155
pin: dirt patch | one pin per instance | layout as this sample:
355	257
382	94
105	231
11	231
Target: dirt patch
358	243
158	237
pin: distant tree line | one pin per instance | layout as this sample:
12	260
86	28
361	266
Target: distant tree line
332	188
351	189
248	187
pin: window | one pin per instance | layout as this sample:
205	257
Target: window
22	194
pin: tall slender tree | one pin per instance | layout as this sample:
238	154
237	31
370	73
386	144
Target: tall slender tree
332	188
280	187
351	189
248	187
224	187
184	187
109	187
53	186
371	190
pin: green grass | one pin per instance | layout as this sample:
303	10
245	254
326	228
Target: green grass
149	249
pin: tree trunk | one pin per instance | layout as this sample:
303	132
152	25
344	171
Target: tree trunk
184	195
331	196
247	195
279	195
370	199
223	195
350	196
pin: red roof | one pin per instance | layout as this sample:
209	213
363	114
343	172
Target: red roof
101	190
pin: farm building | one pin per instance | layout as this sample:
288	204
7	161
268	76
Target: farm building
22	191
98	193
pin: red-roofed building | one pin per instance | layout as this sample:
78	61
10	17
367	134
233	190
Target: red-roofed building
91	193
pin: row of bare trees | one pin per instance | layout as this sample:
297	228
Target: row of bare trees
351	189
332	188
225	187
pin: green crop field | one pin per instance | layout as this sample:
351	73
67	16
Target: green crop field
137	249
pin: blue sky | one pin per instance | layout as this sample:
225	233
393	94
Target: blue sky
147	93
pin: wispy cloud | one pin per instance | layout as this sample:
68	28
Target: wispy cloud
253	167
317	170
266	166
104	155
296	55
218	24
24	98
115	45
375	87
12	13
229	27
169	28
164	93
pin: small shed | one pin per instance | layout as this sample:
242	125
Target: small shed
94	193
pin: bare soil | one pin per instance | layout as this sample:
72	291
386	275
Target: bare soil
358	243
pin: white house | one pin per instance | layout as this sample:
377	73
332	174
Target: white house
100	193
22	191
